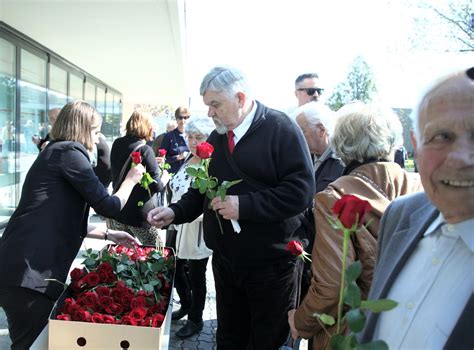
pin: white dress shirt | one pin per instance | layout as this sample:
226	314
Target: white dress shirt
240	131
432	289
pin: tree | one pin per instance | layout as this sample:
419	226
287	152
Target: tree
452	18
359	85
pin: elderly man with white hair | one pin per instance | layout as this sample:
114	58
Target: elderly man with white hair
365	137
426	240
317	123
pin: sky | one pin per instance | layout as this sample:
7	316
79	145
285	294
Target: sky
275	41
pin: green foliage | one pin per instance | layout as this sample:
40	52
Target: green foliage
359	85
378	305
325	318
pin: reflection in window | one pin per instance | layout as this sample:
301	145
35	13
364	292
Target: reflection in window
75	87
108	117
90	94
117	121
7	136
57	87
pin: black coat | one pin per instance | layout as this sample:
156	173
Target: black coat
46	230
274	152
122	147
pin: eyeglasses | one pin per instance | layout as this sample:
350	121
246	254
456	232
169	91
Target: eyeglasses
311	91
180	117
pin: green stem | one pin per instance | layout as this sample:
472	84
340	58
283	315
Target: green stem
219	221
345	248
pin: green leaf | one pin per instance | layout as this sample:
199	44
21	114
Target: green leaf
325	318
353	272
148	287
192	171
355	320
352	295
195	184
212	183
121	267
211	194
89	262
343	342
373	345
203	187
378	305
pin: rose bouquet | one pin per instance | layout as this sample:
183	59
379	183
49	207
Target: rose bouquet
207	184
120	286
163	165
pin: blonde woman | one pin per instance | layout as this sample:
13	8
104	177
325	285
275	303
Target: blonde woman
138	131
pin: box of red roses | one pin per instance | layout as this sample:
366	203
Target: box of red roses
118	300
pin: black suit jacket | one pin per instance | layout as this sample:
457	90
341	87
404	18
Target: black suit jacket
46	230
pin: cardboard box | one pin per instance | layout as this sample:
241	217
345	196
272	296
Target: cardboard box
70	335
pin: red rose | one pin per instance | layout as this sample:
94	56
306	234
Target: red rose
105	301
295	248
128	320
88	299
138	313
76	274
204	150
102	291
114	309
64	317
138	302
108	319
158	320
162	152
81	315
351	209
97	318
136	157
92	279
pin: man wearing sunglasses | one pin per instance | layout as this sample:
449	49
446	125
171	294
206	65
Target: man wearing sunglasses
174	142
306	88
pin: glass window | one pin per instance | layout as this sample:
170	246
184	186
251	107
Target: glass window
57	87
75	87
108	117
90	94
7	122
117	119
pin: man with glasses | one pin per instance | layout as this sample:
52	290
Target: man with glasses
174	141
307	88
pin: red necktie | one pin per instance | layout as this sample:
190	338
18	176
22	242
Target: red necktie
230	141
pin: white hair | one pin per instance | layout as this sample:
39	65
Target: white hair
316	113
366	132
200	125
227	80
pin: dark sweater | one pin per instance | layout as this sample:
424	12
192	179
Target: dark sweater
121	149
274	152
175	145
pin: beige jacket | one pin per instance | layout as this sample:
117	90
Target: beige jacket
378	183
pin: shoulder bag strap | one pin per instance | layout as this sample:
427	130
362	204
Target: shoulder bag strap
126	165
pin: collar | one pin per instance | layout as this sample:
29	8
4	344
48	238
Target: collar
326	154
463	229
240	131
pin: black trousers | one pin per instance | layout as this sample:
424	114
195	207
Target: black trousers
27	314
253	303
190	283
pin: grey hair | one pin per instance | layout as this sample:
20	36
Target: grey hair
439	89
200	125
302	77
366	132
317	113
226	80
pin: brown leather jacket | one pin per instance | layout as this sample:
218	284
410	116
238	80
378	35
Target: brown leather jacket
378	183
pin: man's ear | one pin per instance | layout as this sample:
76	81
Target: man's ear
242	98
413	140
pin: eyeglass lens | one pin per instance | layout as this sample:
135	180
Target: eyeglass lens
311	91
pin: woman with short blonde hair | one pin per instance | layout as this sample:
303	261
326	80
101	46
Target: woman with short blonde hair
365	137
140	125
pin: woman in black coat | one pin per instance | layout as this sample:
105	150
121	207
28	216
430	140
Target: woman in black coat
132	218
46	231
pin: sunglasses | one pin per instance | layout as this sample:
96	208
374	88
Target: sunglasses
311	91
180	117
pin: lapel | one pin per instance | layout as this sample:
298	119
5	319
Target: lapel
401	246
